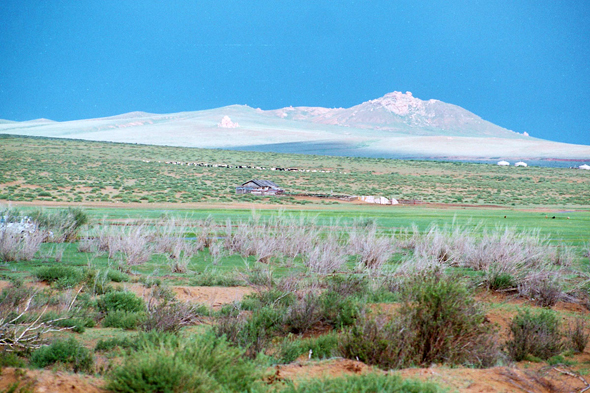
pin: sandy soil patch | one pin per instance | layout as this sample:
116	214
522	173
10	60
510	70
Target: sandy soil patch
211	296
497	379
322	369
44	381
465	380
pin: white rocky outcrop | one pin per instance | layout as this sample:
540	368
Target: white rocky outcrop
521	163
227	123
503	163
401	104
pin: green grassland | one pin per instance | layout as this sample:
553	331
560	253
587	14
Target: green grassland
37	169
130	327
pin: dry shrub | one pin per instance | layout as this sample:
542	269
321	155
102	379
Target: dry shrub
238	241
543	287
577	335
16	246
378	341
61	225
22	328
508	258
179	264
373	250
326	257
168	316
135	245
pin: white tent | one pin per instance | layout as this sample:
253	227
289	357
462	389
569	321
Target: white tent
503	163
520	163
378	200
587	167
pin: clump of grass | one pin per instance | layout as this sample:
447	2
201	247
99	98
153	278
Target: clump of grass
321	347
63	276
213	278
373	249
120	301
326	257
117	276
127	320
68	352
169	363
104	345
364	383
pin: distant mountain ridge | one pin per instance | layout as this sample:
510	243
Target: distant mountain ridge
397	125
400	112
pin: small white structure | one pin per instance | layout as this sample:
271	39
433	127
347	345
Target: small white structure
587	167
520	163
378	200
503	163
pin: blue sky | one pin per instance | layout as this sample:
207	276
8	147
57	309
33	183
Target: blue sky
524	65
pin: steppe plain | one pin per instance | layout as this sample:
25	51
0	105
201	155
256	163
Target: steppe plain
148	251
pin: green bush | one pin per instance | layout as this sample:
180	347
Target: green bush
120	301
68	352
10	359
534	334
127	320
117	276
365	383
78	325
501	281
438	323
338	311
169	363
252	333
63	276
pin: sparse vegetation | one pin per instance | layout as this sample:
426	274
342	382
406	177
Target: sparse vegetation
390	286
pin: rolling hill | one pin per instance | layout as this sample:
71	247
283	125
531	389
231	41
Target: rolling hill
397	125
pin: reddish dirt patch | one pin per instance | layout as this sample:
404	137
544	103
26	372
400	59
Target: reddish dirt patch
44	381
497	379
464	380
211	296
322	369
571	307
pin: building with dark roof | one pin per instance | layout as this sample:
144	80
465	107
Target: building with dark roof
259	187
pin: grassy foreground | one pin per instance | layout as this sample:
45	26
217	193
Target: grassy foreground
197	292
